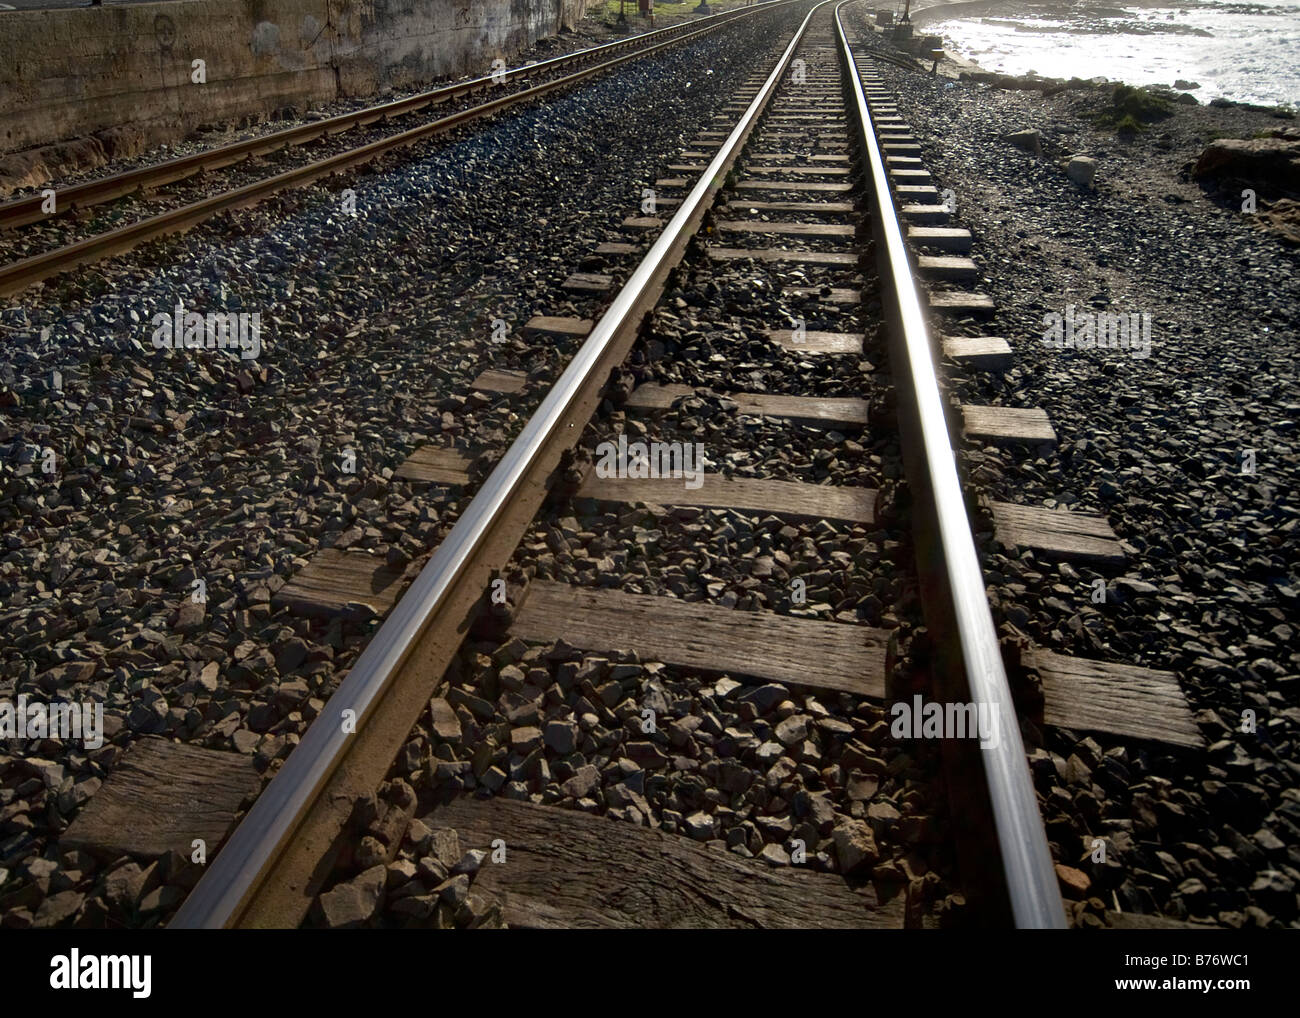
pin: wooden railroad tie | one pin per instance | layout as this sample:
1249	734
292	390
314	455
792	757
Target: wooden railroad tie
563	864
794	185
833	258
757	646
618	247
160	797
785	229
840	412
944	238
815	342
955	268
827	295
433	464
958	302
549	327
925	213
496	380
987	353
1000	424
588	282
1082	537
791	499
1125	700
819	207
347	584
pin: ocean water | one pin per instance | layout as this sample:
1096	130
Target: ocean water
1241	51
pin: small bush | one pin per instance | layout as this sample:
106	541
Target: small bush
1131	109
1128	125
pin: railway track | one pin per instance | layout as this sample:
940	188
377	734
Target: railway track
58	241
787	544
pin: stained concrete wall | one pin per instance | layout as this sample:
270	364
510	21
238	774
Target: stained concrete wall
106	81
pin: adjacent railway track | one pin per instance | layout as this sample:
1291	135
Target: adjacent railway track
812	161
373	140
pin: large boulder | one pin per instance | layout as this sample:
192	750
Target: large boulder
1266	160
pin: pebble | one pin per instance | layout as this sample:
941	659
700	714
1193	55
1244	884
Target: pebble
855	847
57	909
470	862
582	783
699	826
353	903
454	890
792	730
446	726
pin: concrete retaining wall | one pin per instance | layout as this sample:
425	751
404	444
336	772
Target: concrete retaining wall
107	81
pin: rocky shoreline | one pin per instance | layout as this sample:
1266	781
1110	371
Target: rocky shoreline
1164	133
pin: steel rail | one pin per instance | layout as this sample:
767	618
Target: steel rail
237	873
18	275
956	602
23	211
